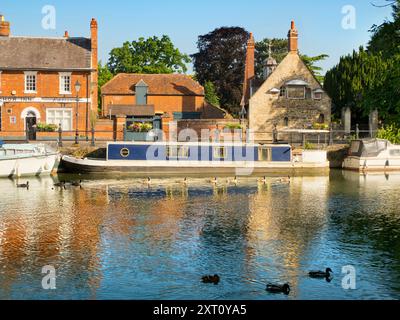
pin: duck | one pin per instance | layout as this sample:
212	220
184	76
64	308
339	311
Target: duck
60	184
321	274
264	180
215	279
77	183
285	180
23	185
277	288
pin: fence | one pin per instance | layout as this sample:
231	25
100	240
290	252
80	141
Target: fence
305	138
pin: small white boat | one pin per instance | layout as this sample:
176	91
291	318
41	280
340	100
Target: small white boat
373	155
17	160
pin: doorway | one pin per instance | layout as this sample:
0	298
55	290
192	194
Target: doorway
31	125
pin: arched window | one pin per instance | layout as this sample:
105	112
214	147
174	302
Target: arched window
286	122
321	118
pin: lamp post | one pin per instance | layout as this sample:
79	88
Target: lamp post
77	89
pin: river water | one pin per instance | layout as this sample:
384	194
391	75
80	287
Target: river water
119	238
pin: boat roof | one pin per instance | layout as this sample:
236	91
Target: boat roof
200	144
25	146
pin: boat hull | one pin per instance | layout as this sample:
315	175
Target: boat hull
73	165
372	164
28	166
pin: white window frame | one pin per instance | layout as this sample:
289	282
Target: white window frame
62	83
28	74
63	110
0	80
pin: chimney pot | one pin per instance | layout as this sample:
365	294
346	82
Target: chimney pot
4	27
293	37
66	34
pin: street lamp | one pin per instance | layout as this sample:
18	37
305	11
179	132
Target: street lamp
77	89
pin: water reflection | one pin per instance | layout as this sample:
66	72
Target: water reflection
126	239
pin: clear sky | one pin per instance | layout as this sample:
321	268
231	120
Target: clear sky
319	22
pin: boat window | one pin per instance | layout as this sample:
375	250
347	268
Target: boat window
172	152
125	152
219	153
264	154
395	153
183	152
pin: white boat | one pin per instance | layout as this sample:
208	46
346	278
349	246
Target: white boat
373	155
17	160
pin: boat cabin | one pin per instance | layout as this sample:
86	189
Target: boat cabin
205	152
373	148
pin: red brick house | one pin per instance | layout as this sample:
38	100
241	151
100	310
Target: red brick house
38	77
156	99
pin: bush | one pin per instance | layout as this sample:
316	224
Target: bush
320	126
391	133
140	127
233	126
42	127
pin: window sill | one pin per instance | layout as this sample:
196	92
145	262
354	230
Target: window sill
65	93
30	92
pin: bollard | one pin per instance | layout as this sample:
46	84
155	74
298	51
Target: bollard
331	135
92	144
60	143
357	132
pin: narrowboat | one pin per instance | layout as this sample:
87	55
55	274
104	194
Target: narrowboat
195	158
373	155
17	160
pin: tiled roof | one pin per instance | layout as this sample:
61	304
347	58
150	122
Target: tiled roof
45	53
158	84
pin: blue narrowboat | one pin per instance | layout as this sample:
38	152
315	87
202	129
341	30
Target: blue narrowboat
188	158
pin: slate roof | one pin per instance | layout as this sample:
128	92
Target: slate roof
158	84
30	53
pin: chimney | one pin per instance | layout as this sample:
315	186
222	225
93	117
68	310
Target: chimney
249	72
66	34
94	58
4	27
293	36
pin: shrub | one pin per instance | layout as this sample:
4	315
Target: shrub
320	126
391	133
233	126
42	127
140	127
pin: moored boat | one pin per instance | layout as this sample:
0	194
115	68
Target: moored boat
194	158
17	160
373	155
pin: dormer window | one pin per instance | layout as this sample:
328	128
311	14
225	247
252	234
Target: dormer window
283	92
296	89
318	94
141	90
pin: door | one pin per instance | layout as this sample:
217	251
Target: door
31	126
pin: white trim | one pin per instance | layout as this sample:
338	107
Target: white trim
25	112
45	100
61	89
61	109
31	73
0	80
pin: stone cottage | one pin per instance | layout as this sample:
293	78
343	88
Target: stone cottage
288	98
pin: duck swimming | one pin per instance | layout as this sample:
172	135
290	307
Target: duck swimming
76	183
276	288
215	279
321	274
23	185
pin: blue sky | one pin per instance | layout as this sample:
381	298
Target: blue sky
319	22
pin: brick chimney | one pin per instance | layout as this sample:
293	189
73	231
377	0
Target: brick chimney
4	27
249	72
94	46
293	36
66	34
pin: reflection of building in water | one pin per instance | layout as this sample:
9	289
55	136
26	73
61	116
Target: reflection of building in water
44	228
283	219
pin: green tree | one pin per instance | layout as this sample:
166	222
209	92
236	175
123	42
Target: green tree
211	94
152	55
104	75
349	82
220	59
279	50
